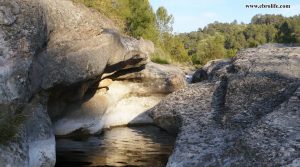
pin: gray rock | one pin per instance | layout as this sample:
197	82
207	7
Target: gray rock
83	47
156	77
246	118
81	117
53	45
119	99
199	76
34	143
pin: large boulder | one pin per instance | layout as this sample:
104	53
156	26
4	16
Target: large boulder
159	78
249	117
51	46
119	99
199	76
82	45
213	70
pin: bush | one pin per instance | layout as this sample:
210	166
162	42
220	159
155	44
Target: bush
9	124
208	49
160	57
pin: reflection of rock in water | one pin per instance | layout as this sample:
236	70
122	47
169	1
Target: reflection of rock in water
136	146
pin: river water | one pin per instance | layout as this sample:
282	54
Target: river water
146	146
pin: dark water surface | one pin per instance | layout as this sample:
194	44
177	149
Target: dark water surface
146	146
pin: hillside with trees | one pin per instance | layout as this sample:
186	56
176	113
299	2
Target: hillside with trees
219	40
216	40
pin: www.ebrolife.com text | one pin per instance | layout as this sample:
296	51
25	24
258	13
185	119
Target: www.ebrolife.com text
258	6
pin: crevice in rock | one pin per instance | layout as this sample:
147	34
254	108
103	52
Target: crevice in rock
199	76
219	99
117	75
123	64
231	69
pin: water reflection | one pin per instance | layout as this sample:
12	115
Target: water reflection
136	146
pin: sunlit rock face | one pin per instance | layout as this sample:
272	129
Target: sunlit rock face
47	46
119	99
134	92
128	105
245	114
82	116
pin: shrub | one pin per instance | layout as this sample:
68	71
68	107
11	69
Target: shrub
9	125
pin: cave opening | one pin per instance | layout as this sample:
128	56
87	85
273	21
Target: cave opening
77	112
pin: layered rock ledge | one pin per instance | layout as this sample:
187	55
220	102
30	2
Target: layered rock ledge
246	112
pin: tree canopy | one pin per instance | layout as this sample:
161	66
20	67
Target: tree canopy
216	40
262	29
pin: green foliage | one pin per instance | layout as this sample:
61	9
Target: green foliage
164	21
209	48
9	124
230	53
160	56
267	19
285	33
173	51
295	24
118	11
175	48
216	40
262	29
135	18
142	22
170	43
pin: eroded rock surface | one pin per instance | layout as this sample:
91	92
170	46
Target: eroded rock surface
34	143
143	90
119	99
49	46
248	116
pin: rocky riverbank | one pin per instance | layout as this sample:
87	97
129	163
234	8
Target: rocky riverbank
245	112
66	70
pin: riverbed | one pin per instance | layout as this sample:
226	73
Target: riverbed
146	146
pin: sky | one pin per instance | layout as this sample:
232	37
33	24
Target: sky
193	14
